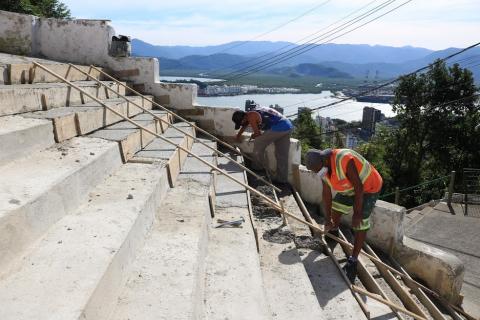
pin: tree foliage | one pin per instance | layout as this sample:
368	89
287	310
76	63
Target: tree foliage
307	131
434	136
41	8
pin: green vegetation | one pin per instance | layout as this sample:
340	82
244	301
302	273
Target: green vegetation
308	132
41	8
434	137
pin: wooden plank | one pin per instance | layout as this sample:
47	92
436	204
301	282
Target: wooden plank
424	299
315	232
396	286
365	276
387	302
174	167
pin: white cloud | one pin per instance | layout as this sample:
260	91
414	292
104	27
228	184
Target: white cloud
434	24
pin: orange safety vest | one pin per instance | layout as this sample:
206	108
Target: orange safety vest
337	179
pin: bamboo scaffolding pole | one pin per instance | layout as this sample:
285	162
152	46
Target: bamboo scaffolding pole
229	146
388	303
399	290
252	190
174	127
307	216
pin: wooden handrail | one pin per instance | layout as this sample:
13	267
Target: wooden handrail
253	190
176	128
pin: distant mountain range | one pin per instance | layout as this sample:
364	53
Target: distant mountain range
329	60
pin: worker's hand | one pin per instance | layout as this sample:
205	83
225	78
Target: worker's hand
328	226
254	135
356	221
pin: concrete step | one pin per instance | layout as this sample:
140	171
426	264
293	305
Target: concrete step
167	278
22	98
82	119
20	137
78	269
161	150
24	73
38	190
294	278
130	138
233	281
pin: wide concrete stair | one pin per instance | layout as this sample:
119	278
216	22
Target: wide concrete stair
167	278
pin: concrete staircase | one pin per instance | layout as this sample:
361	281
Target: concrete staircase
101	220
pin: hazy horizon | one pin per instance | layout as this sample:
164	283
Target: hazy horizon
434	25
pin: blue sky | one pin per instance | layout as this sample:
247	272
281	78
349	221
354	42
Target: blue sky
435	24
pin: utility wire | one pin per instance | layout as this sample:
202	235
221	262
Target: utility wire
276	28
305	46
298	41
329	40
361	94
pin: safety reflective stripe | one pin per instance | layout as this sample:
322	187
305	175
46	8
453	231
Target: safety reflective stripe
342	208
338	163
363	174
364	225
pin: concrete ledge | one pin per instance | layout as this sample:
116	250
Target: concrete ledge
20	137
159	150
27	73
87	256
39	190
441	271
170	269
130	138
79	120
36	97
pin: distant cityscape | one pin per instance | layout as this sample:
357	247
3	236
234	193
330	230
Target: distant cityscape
352	137
233	90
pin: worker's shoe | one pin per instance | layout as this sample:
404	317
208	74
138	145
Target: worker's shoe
350	269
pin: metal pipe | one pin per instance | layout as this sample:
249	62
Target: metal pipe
176	128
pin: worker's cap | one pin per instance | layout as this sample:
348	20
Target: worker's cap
314	157
237	118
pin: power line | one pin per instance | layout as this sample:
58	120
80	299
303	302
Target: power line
306	45
276	28
395	80
298	41
329	40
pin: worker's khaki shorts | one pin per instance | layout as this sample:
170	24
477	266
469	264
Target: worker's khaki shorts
344	204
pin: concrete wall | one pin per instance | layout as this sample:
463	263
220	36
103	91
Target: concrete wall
16	33
87	42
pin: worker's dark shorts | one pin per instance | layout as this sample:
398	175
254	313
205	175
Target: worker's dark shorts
344	203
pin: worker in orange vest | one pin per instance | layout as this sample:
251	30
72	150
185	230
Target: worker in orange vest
357	184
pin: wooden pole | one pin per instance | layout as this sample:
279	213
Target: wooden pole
171	112
176	128
388	303
450	187
253	190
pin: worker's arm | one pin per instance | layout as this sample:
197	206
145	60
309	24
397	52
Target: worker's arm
354	178
327	205
254	120
240	132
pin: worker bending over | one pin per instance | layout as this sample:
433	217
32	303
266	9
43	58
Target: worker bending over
357	184
276	129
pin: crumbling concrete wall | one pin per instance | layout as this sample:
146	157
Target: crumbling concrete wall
16	33
87	42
